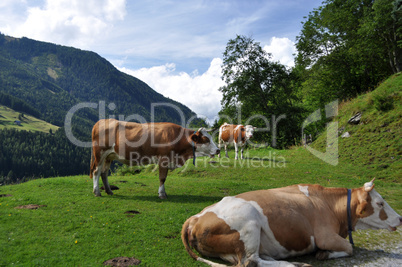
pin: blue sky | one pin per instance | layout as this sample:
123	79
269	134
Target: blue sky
174	46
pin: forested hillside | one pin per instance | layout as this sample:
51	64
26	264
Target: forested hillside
46	80
344	49
52	78
25	155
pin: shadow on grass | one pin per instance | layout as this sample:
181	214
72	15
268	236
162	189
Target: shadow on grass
360	256
171	198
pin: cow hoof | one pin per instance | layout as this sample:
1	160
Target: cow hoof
163	196
110	193
322	255
251	263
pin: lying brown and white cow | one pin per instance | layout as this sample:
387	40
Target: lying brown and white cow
259	227
167	144
236	134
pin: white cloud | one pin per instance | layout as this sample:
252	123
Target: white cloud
282	50
72	22
198	92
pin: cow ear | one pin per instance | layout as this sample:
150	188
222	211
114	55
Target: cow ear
194	137
361	208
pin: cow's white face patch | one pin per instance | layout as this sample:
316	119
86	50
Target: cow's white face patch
249	131
304	190
383	217
206	149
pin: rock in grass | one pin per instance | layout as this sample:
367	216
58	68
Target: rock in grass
345	135
355	119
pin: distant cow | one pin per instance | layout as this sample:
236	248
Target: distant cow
237	134
254	228
167	144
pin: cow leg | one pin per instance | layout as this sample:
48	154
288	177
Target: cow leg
219	147
252	231
251	236
268	261
226	150
265	261
104	174
333	246
236	151
241	151
162	178
258	262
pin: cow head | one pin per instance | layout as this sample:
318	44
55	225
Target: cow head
373	212
249	131
204	144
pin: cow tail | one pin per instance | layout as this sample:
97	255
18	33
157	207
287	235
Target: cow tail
184	238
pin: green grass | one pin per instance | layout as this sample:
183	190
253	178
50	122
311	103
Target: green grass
28	123
78	229
376	142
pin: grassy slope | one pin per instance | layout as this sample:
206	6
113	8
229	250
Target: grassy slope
28	123
376	142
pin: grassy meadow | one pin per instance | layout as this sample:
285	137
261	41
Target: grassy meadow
74	228
28	123
77	229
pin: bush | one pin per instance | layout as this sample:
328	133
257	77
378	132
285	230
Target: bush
383	102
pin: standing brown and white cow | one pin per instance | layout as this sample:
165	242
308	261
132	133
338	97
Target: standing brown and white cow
237	134
258	227
167	144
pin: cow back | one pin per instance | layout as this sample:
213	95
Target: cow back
146	139
232	133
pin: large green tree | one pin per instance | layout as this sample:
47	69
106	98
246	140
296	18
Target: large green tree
348	47
258	91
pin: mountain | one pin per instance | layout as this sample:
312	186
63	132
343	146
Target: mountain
47	81
53	78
